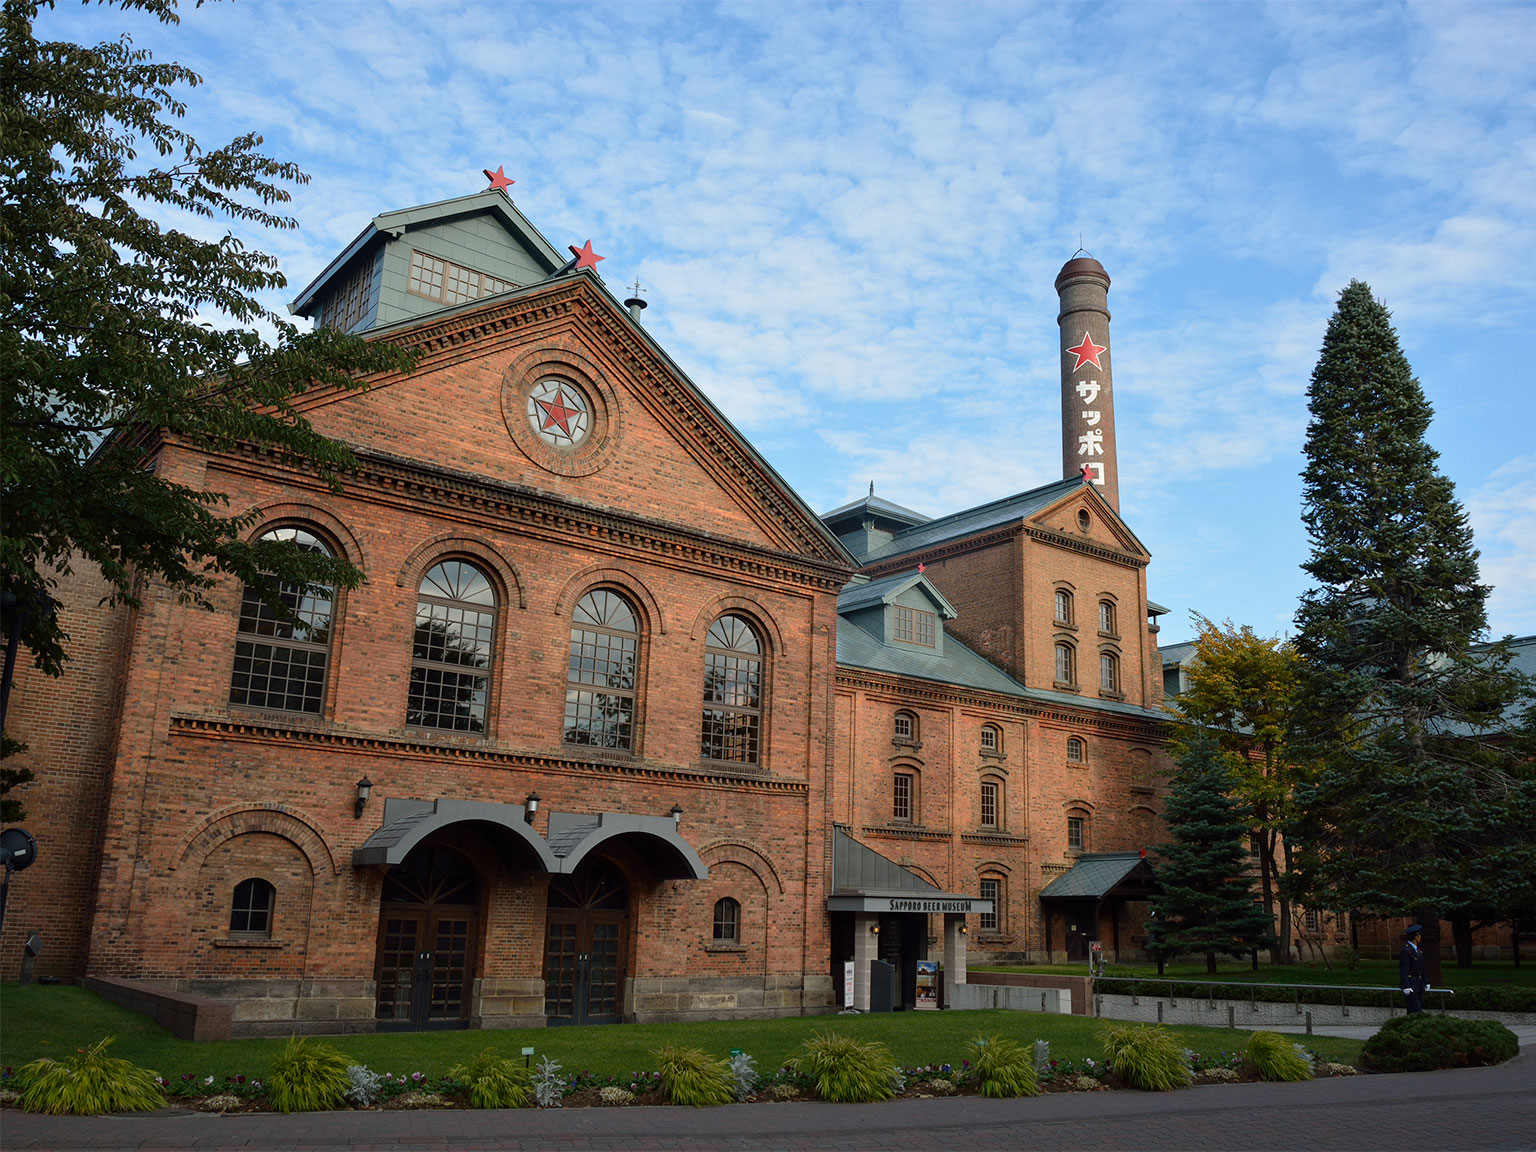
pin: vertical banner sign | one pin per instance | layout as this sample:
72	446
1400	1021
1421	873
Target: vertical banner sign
927	984
847	983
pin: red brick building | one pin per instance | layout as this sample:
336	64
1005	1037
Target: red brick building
596	738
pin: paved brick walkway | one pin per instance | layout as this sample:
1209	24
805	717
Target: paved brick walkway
1477	1109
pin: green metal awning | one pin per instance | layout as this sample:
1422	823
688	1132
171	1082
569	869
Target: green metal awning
1097	875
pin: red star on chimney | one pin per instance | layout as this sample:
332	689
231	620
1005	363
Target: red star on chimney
499	178
585	257
1087	353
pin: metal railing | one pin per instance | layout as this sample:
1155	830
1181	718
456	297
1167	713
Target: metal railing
1252	996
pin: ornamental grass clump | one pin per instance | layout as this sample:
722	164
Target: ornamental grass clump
691	1077
846	1071
1429	1040
494	1081
1146	1057
308	1077
1003	1067
89	1083
1274	1057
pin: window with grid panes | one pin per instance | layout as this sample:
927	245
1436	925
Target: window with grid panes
991	738
733	692
348	304
905	726
600	691
1074	750
1109	672
992	889
1075	832
250	911
1063	606
989	793
914	626
1066	664
281	661
451	283
1106	617
727	921
451	654
902	796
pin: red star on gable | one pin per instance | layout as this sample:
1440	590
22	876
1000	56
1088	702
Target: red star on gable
1087	473
1087	353
921	568
557	415
585	257
499	178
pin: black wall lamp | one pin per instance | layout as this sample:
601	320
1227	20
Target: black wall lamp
364	790
677	815
530	807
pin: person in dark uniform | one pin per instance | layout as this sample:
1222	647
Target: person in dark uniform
1410	969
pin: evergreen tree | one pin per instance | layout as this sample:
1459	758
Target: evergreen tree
1206	898
1422	805
118	335
1242	693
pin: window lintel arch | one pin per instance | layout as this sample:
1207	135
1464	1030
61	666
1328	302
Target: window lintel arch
1086	805
301	514
476	550
595	577
988	867
992	768
744	606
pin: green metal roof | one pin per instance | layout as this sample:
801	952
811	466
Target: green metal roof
1099	874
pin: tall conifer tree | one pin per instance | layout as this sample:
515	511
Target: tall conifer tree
1416	808
1206	903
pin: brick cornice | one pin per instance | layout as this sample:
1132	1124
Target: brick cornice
887	832
256	731
944	695
1073	544
385	478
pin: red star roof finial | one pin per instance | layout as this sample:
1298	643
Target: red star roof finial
921	567
499	178
585	257
1087	473
1087	353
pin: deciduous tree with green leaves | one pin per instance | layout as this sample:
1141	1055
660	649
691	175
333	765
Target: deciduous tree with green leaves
119	335
1422	804
1242	693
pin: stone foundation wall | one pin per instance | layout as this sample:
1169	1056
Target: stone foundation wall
711	998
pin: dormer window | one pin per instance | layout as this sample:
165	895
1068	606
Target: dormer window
450	283
914	626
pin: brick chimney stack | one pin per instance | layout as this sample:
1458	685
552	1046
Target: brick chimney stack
1087	391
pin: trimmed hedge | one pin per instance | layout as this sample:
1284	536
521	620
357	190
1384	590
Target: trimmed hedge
1471	999
1426	1041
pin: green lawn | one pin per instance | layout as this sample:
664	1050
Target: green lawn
54	1021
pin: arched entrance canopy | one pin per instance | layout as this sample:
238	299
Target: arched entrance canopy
572	838
408	822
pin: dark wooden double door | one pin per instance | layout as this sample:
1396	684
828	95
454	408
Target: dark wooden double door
428	919
586	937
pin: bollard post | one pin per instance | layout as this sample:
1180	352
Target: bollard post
1159	1011
1231	1016
1309	1023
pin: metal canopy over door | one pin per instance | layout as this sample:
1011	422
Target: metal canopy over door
427	920
585	937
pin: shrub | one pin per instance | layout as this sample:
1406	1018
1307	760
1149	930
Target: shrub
691	1077
1146	1057
308	1077
365	1085
494	1081
1004	1067
846	1071
548	1085
1428	1040
88	1084
1274	1057
744	1073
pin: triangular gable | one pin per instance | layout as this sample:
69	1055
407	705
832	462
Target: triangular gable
859	870
1059	518
888	589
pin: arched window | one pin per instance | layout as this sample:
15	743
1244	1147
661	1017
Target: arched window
281	662
1109	673
727	921
1107	617
904	728
1063	606
1066	664
904	797
250	912
992	803
1077	832
992	889
1075	750
600	691
733	692
991	738
451	653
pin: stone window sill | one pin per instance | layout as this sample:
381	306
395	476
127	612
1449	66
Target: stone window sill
237	942
714	948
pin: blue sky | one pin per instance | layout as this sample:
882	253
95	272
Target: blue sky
848	219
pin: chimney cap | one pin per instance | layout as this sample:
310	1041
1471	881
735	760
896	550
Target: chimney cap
1081	266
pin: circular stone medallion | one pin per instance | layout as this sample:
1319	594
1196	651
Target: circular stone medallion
559	413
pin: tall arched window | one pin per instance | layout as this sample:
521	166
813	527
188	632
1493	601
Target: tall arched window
1107	617
605	650
279	662
727	921
1063	606
992	803
1066	664
1109	673
451	654
733	692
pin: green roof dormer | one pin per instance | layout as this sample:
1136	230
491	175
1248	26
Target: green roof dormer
409	263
